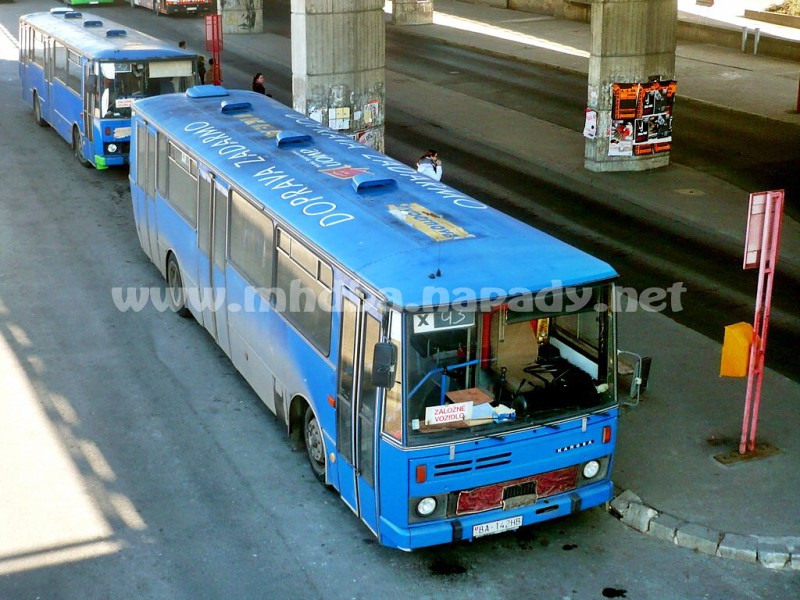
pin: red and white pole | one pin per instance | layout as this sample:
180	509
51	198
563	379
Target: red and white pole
766	213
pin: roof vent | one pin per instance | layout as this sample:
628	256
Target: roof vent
116	33
93	24
73	14
206	91
60	10
231	108
367	181
286	138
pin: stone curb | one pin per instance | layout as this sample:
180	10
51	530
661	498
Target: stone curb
782	553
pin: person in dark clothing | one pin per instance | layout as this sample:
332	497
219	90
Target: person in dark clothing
201	68
258	84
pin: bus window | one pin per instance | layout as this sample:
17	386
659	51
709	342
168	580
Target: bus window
393	399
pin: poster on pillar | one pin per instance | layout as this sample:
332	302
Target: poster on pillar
641	118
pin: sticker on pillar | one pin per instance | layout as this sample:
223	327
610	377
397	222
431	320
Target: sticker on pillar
316	115
620	139
590	126
339	118
372	111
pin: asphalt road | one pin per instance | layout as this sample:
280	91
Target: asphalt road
137	463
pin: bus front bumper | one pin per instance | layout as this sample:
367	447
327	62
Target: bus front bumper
420	535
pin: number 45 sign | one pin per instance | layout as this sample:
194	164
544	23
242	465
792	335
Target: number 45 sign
448	319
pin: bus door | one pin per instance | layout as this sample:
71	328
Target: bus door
356	404
220	224
89	101
146	181
212	226
205	243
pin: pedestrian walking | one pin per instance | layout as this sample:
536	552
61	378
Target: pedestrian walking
201	68
430	164
182	45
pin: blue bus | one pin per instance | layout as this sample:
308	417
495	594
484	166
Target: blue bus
81	73
449	370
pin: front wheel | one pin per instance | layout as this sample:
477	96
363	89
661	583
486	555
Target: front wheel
315	446
77	147
176	294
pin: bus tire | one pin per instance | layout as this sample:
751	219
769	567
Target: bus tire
37	111
315	446
176	294
77	148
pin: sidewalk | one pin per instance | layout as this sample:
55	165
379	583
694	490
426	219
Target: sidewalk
676	490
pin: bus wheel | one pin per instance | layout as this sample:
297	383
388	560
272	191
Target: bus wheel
37	111
77	148
176	294
315	447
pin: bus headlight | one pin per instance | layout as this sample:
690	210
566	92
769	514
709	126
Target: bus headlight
426	506
590	469
112	148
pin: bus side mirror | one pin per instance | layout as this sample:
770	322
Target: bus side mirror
384	364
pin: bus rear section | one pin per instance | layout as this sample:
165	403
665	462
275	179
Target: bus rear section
81	74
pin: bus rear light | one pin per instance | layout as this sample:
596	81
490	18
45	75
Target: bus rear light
606	434
422	473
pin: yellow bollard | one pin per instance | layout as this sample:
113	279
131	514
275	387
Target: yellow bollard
736	350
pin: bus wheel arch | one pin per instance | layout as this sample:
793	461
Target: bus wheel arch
176	294
37	111
77	146
311	438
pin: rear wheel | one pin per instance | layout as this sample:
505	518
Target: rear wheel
176	294
315	447
37	111
77	147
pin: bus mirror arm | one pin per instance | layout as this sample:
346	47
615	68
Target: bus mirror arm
384	364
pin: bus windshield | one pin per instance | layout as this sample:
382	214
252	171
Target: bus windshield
120	83
531	362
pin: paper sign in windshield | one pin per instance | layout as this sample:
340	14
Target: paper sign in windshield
448	413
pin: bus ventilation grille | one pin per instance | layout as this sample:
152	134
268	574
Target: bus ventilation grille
465	466
93	24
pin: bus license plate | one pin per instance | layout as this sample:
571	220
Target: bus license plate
496	526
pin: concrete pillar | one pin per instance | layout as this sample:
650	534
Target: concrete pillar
242	16
412	12
338	59
633	41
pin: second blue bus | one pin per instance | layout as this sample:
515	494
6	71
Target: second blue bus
81	73
449	370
